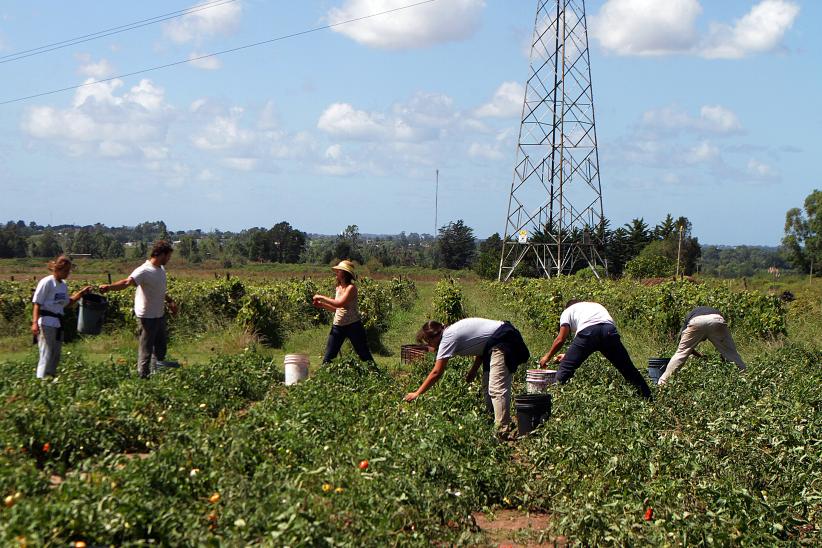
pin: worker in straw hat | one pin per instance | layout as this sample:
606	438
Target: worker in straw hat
347	321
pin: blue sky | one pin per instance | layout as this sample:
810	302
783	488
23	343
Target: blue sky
705	109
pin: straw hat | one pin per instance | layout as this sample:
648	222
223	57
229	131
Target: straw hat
346	266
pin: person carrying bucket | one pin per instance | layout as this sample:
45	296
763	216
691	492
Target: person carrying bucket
594	330
347	322
49	302
496	345
150	301
703	322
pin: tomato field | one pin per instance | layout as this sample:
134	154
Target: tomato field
220	452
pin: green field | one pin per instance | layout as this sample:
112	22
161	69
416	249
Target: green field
219	452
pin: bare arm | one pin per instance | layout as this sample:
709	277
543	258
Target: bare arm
349	293
433	377
35	317
562	336
472	373
79	295
117	286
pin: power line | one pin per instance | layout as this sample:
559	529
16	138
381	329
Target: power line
217	53
111	31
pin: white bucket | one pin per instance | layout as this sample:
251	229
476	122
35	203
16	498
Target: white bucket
537	380
296	368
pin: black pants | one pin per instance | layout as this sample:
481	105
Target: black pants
604	338
153	344
354	332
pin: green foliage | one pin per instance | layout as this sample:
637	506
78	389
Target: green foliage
448	301
456	245
721	458
650	266
430	463
803	233
659	309
487	263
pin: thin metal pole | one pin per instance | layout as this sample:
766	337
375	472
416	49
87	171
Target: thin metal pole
679	251
436	194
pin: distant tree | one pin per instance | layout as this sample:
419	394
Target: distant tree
649	266
639	235
12	241
115	250
186	247
348	244
803	234
456	245
487	264
46	245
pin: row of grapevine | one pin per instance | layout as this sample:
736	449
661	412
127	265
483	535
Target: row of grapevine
270	310
658	309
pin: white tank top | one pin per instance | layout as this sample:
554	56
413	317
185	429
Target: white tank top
346	316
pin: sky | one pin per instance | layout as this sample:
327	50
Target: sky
709	110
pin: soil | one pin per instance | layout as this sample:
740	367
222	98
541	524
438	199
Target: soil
515	529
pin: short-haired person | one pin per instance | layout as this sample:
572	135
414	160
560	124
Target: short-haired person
594	331
49	301
347	322
150	301
703	322
496	345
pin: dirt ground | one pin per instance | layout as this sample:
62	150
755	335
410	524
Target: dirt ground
516	529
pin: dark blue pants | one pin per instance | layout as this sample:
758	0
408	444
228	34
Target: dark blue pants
354	332
602	338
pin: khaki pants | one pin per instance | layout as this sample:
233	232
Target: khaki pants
711	327
496	386
50	349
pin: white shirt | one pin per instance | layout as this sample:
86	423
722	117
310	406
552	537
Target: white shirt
150	299
466	337
583	315
51	295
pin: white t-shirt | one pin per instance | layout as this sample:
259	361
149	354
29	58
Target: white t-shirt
466	337
51	295
150	299
582	315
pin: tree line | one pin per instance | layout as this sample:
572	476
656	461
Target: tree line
636	248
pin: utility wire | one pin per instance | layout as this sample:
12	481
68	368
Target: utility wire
8	58
215	54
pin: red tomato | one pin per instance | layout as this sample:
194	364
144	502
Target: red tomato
364	464
649	514
46	447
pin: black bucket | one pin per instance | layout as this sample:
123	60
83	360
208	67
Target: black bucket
656	367
92	314
531	410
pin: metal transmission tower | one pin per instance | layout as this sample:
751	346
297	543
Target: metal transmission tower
555	217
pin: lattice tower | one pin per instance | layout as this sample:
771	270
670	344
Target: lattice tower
555	216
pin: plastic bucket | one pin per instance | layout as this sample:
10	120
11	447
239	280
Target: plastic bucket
537	380
296	368
91	315
656	367
532	409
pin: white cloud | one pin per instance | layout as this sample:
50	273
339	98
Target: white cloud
99	70
343	120
206	63
240	164
415	27
702	152
712	119
761	170
224	132
506	103
650	27
484	150
101	122
646	27
222	19
760	30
